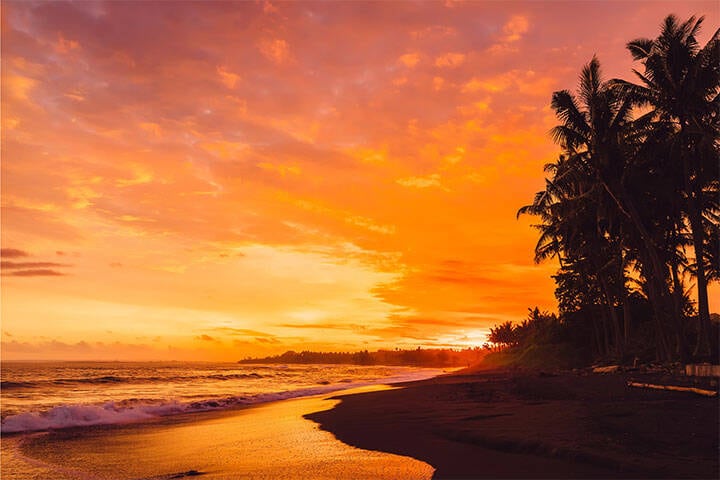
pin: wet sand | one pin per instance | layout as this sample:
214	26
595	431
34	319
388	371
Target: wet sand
270	441
536	425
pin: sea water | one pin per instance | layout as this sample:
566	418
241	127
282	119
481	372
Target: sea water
39	396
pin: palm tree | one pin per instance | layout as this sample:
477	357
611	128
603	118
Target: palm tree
681	83
632	194
571	231
597	133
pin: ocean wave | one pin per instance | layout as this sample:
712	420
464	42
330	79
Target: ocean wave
132	410
112	379
11	385
65	416
137	410
104	379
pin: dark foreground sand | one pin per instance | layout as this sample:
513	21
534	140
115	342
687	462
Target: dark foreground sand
536	425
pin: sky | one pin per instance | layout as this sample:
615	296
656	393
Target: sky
211	181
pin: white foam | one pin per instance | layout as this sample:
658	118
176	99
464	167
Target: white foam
83	415
64	416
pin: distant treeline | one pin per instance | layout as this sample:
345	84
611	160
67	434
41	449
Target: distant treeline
418	357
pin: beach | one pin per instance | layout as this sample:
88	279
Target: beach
503	424
266	441
359	240
162	420
471	425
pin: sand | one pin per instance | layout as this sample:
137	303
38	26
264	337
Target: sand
467	425
270	441
536	425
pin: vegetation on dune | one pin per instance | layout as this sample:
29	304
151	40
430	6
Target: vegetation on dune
542	340
631	208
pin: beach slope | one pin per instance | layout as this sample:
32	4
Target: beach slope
266	441
536	425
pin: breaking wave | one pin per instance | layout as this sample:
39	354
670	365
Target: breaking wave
138	410
112	379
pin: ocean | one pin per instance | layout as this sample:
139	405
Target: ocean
41	396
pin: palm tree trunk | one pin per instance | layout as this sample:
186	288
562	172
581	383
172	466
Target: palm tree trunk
702	347
627	320
613	323
678	304
693	190
612	315
654	274
627	315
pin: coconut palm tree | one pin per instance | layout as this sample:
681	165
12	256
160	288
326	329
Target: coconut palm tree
571	231
680	83
597	133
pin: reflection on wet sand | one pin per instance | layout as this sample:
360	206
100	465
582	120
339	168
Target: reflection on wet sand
270	441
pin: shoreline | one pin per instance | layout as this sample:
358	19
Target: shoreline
512	424
121	411
263	441
466	424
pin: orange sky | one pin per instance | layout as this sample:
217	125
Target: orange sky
217	180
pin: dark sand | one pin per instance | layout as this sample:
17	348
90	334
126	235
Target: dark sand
536	425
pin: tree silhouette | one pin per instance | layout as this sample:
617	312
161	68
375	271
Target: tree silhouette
680	83
628	195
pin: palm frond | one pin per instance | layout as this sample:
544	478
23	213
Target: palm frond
640	48
590	81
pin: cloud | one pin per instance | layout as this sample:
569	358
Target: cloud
410	60
370	224
141	174
427	181
283	170
13	253
231	254
151	127
450	60
277	50
514	29
228	78
284	130
269	8
325	326
64	45
19	86
40	272
84	350
491	85
400	81
526	82
463	279
17	265
206	338
270	340
241	332
27	269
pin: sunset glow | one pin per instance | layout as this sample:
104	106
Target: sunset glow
211	181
